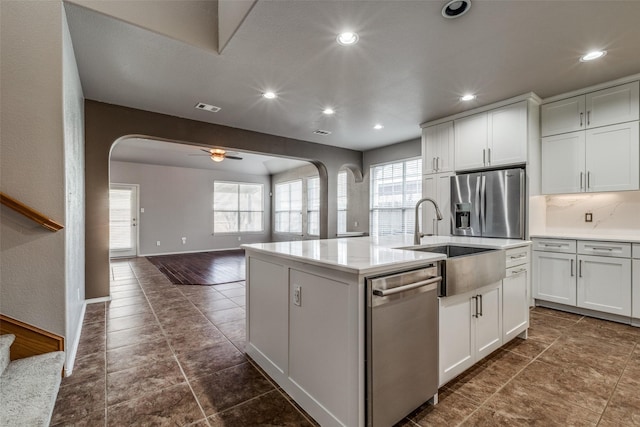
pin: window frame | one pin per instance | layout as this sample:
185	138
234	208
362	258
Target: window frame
404	209
309	204
238	211
346	201
276	211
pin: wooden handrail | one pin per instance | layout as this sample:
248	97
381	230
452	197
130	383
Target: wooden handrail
30	213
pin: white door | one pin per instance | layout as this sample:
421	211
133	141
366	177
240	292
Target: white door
613	158
554	277
617	104
123	224
507	140
470	142
444	202
489	321
429	149
457	338
429	189
563	163
515	302
444	158
566	115
635	292
604	284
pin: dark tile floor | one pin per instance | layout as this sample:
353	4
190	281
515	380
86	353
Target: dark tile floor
161	354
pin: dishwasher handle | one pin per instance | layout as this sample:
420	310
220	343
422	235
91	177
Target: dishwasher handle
399	289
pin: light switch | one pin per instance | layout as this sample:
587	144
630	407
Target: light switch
588	217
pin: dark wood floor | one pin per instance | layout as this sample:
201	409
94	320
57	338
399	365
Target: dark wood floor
204	268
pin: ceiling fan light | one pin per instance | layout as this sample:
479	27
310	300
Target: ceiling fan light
217	157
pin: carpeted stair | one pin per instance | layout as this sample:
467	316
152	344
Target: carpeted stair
28	387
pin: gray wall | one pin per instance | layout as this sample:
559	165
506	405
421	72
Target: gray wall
32	164
178	203
302	173
74	182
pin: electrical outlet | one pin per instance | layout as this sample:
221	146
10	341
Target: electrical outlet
239	239
158	243
355	224
141	210
184	240
297	296
588	217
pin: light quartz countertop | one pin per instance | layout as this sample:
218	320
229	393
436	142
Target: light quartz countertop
632	238
372	255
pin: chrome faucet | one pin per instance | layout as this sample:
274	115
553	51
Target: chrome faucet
417	234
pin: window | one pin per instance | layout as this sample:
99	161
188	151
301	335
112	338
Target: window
288	207
237	207
342	202
313	206
395	189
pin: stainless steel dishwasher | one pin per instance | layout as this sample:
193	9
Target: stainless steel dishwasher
402	343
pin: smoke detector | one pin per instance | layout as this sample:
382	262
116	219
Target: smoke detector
456	8
207	107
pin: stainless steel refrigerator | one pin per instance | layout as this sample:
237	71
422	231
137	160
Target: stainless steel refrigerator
489	204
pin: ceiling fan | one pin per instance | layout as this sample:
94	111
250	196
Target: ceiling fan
217	154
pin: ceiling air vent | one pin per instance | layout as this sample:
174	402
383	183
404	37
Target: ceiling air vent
322	132
207	107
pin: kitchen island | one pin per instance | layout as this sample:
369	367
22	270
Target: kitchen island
306	313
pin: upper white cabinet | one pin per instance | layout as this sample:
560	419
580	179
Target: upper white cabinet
600	159
618	104
494	138
437	148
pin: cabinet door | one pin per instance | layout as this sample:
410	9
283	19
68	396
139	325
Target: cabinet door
429	149
489	321
635	292
445	154
470	142
613	158
604	284
515	302
444	202
563	158
554	277
320	341
457	342
507	139
617	104
566	115
429	189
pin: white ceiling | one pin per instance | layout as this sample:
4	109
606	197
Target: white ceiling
410	65
163	153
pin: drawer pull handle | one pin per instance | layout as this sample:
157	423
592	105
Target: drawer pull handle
514	272
597	248
518	256
552	245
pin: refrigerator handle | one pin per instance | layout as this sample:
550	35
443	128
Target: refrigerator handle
483	202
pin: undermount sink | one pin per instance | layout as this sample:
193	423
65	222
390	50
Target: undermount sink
467	268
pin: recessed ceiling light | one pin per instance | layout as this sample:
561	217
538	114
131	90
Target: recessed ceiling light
270	95
378	126
456	8
468	97
593	55
347	38
328	111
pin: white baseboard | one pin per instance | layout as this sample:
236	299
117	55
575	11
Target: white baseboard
71	355
188	252
97	300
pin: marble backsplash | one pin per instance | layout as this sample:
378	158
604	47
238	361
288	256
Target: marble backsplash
613	213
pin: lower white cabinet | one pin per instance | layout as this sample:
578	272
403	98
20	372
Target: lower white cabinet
470	329
515	302
554	277
604	284
635	292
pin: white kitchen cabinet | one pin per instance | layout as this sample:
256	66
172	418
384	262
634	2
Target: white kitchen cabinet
635	291
566	115
612	158
554	277
494	138
618	104
471	136
470	329
319	340
515	302
604	284
437	148
597	160
437	187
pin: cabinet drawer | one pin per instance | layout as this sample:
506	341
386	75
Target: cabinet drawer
516	271
615	249
518	256
636	250
555	245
